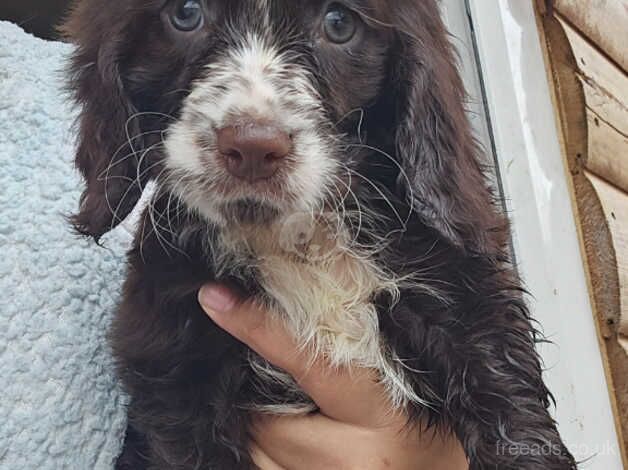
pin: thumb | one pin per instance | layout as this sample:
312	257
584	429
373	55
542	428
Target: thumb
249	323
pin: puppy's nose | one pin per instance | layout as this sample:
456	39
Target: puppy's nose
253	150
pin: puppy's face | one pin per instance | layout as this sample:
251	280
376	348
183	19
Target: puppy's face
264	97
253	110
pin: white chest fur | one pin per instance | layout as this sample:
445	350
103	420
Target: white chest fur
323	289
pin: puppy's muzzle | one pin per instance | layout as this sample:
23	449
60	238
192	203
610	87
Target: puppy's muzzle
253	150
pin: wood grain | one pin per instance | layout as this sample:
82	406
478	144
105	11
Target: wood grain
605	89
615	206
604	22
608	151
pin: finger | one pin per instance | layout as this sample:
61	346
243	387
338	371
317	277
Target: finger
262	460
350	395
325	443
314	441
247	322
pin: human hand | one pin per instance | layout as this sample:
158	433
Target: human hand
354	428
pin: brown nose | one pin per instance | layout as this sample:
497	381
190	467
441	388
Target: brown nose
253	151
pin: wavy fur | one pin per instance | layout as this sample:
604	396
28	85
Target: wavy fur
416	280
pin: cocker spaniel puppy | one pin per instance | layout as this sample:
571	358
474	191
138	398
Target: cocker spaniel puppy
314	155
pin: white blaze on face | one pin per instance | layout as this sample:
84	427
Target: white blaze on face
251	80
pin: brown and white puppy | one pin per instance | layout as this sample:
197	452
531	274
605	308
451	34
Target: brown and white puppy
315	155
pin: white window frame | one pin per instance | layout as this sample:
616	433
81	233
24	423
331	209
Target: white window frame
514	117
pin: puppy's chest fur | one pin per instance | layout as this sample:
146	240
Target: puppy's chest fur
324	291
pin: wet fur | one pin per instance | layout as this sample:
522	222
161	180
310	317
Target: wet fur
423	248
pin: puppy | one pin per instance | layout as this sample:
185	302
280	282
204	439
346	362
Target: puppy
314	155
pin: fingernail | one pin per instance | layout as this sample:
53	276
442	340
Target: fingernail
216	298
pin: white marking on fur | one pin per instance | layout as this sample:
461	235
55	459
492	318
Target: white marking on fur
259	83
324	290
324	296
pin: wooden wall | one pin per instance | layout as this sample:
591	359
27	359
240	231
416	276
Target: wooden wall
587	54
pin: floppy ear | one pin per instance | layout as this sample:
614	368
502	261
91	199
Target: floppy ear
434	140
108	147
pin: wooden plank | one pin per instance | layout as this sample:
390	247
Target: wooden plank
608	151
615	207
605	22
595	67
606	107
605	91
601	258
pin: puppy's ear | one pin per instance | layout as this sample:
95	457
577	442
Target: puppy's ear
108	147
434	140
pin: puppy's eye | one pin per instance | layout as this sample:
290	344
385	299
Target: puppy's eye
340	24
187	15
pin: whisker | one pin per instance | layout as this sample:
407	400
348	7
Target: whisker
359	207
157	226
402	172
349	113
134	183
385	198
114	161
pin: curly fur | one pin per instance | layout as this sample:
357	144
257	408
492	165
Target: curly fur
437	306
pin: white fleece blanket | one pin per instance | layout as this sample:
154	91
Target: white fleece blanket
60	407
